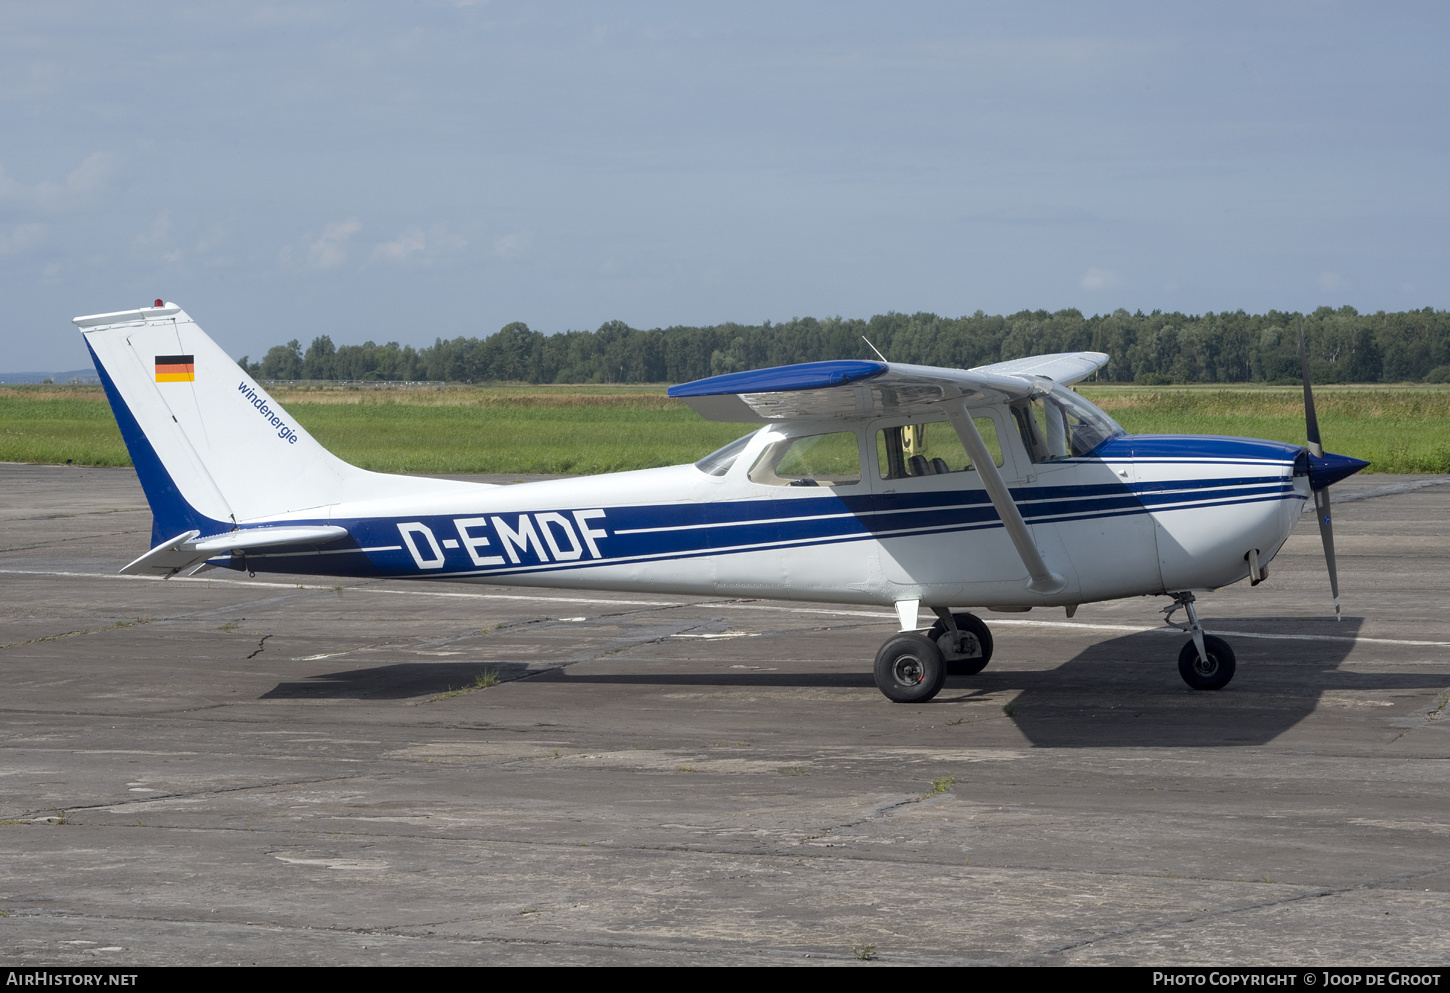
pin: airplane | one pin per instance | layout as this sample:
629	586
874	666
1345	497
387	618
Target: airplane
862	482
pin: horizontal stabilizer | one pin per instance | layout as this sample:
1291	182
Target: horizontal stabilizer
166	310
185	550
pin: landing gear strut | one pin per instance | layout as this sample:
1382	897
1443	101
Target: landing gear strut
964	640
1205	662
911	668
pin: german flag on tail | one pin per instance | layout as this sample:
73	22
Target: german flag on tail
175	369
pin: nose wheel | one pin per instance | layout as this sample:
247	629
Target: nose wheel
1206	662
1213	670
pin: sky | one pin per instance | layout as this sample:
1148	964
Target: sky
405	171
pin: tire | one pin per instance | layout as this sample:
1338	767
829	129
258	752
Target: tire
910	669
959	664
1220	668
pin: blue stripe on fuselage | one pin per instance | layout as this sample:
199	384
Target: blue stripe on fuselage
1197	448
676	531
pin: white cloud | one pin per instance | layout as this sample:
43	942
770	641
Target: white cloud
330	251
1331	281
327	252
409	243
159	229
415	244
154	237
20	237
213	237
90	177
1098	279
510	246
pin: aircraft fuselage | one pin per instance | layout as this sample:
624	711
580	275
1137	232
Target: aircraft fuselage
1141	515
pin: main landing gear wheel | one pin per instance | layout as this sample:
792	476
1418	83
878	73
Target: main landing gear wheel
910	669
1215	673
973	649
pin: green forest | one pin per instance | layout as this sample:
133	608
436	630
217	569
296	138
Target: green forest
1153	349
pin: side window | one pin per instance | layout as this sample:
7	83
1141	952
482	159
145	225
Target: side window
931	449
812	460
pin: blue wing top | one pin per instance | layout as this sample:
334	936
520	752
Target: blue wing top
783	378
856	388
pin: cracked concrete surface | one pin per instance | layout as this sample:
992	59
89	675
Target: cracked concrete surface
227	770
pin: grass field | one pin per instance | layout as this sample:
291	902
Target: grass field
573	429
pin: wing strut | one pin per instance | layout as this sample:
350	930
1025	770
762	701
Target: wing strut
1044	580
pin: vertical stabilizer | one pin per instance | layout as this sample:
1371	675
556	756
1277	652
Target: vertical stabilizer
211	448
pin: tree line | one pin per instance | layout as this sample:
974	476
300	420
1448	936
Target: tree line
1158	348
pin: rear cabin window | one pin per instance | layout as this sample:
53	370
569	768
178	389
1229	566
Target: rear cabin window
932	449
810	460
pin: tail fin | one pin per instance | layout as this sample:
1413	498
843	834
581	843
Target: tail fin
210	447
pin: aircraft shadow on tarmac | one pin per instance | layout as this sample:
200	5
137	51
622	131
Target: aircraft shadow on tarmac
1126	692
399	681
1121	692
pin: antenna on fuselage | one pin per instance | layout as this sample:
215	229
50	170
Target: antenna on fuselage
874	348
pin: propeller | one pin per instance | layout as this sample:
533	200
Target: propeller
1324	470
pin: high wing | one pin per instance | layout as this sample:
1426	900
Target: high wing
859	388
1060	367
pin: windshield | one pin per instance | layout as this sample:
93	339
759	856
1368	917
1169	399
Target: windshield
1087	426
1062	425
718	462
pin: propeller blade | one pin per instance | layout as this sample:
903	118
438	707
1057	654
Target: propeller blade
1311	420
1326	534
1322	472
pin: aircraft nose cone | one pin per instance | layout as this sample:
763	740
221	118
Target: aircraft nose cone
1331	468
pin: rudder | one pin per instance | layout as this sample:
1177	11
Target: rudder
211	448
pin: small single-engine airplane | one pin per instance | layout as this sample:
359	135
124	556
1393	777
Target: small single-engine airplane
869	483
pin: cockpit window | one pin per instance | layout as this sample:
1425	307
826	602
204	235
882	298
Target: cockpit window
718	462
810	460
1062	425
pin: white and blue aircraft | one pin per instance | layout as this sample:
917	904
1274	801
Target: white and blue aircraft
867	483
